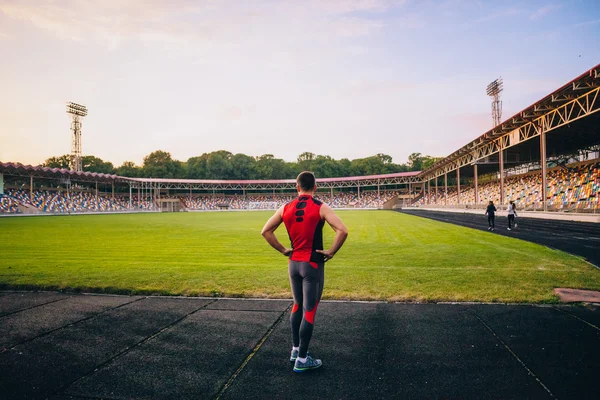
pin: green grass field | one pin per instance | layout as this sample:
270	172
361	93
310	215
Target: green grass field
388	256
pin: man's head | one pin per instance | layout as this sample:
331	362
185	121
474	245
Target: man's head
306	182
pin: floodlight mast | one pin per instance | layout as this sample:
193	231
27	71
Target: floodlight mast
493	90
77	111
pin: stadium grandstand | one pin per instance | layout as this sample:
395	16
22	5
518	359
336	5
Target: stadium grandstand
35	190
545	158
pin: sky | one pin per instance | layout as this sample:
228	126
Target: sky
344	78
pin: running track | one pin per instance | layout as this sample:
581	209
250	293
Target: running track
579	238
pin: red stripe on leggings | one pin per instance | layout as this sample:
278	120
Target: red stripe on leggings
310	315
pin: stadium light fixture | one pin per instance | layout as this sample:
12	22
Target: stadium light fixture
495	87
493	90
77	111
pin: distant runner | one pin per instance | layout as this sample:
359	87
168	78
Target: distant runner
512	213
491	214
304	219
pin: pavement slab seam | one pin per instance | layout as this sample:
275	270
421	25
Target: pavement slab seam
254	351
80	397
580	319
128	349
515	355
67	325
34	306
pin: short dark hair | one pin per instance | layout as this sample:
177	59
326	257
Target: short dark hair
306	180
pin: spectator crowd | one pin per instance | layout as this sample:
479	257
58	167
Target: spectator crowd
576	187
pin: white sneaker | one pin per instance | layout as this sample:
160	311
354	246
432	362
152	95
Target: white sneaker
509	229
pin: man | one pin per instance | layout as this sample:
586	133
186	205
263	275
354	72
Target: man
304	219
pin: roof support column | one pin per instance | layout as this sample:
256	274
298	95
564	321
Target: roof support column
501	161
544	163
378	188
31	189
113	191
358	192
436	190
96	190
475	182
458	183
445	188
130	194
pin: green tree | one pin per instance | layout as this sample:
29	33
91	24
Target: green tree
429	161
243	167
129	169
95	164
325	167
415	162
196	167
218	165
269	167
160	164
305	161
58	162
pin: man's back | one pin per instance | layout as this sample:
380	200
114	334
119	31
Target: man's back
303	221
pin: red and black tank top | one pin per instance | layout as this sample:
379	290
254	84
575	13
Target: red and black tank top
302	219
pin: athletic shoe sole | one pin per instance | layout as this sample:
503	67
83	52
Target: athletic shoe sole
307	368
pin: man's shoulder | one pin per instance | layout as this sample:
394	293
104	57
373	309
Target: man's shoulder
317	202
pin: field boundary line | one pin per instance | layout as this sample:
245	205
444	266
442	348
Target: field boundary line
576	317
254	351
127	349
34	306
529	371
69	325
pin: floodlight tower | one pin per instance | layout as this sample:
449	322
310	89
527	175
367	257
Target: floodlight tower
493	90
77	111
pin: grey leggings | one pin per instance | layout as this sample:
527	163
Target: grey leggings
306	280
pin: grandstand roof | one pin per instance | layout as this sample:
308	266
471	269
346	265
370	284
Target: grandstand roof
367	180
569	92
276	181
19	169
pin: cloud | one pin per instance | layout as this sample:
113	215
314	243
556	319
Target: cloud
372	87
231	113
111	22
336	7
587	23
543	11
108	23
496	15
350	27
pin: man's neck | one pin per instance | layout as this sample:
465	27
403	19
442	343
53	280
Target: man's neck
305	193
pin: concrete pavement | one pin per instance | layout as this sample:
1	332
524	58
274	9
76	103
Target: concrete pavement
75	346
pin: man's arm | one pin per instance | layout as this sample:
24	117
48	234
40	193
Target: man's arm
341	232
268	232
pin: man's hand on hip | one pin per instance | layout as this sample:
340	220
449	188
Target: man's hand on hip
327	253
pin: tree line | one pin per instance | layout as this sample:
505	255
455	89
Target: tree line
226	165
